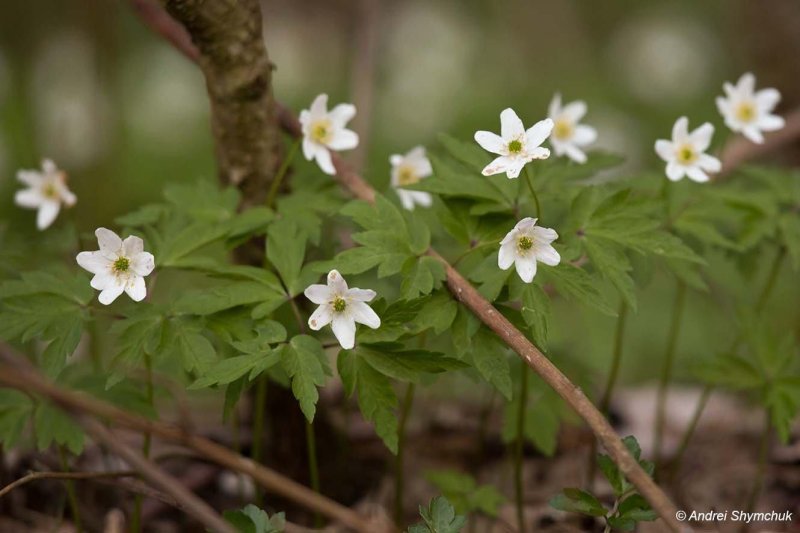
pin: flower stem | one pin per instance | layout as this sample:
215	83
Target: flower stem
769	285
666	371
313	470
278	179
520	449
71	495
258	425
758	480
136	520
529	181
399	480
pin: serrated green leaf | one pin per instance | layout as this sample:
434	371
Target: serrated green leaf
54	426
438	517
489	356
16	410
578	501
406	365
575	283
285	250
226	294
184	341
420	277
302	361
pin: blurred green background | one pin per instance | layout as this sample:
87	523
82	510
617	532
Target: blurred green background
86	84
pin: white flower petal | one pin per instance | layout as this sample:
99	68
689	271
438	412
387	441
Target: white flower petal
103	280
421	198
318	293
67	196
545	235
498	166
342	114
132	245
31	178
526	268
574	111
29	198
771	122
665	149
515	168
406	199
396	160
701	137
94	262
108	240
336	283
680	131
49	167
537	133
360	295
575	153
753	133
142	263
344	328
137	290
319	106
695	173
47	213
539	153
506	255
510	125
343	140
310	148
767	99
746	84
675	171
584	135
323	157
491	142
321	317
363	314
723	106
554	109
111	293
709	163
548	255
526	224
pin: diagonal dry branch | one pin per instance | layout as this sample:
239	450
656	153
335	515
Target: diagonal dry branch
17	373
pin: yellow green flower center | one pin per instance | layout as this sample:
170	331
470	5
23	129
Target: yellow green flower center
686	154
563	129
406	176
515	146
321	131
121	265
339	304
525	243
50	191
746	112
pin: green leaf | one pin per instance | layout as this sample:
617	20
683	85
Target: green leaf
15	412
184	341
578	501
789	225
226	294
576	283
203	200
536	312
231	369
490	277
489	358
54	426
406	365
302	360
286	249
251	519
376	397
438	517
421	276
438	313
137	335
465	493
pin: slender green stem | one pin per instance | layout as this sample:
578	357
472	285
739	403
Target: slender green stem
399	479
71	495
136	520
666	371
758	480
605	400
276	182
529	181
258	424
313	469
520	449
769	285
483	423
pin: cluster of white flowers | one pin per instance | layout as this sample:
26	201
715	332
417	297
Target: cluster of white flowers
744	111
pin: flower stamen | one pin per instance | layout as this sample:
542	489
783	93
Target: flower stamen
321	131
339	304
563	129
515	146
746	112
121	265
406	176
524	243
686	154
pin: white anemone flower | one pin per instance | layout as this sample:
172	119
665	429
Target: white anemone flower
341	307
685	154
118	266
407	170
325	130
526	244
569	135
515	146
47	191
748	111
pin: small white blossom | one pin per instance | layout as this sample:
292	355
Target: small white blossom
341	308
118	266
749	111
526	244
515	146
325	130
407	170
569	136
685	154
46	191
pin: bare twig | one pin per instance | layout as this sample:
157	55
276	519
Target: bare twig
16	372
362	77
193	505
33	476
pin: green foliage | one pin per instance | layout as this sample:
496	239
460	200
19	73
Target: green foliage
438	517
542	417
303	359
629	507
464	492
251	519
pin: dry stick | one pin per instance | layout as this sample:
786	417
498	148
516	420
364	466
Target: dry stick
17	373
33	476
195	507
